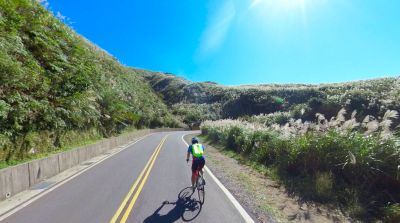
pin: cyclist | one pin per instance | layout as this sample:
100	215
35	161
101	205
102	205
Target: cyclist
198	160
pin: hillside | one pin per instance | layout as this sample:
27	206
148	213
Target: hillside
207	100
56	87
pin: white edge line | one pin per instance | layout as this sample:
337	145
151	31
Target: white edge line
235	203
29	201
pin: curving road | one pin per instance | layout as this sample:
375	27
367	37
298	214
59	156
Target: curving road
146	182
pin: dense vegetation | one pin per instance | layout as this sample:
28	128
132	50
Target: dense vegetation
56	87
187	98
353	164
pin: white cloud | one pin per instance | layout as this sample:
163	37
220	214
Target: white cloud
217	28
60	16
45	3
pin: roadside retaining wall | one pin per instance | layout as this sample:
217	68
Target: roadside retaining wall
21	177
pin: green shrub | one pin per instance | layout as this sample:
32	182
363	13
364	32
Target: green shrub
392	213
324	184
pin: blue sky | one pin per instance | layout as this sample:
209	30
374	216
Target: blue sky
236	42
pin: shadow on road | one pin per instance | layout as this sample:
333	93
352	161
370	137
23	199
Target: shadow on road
186	208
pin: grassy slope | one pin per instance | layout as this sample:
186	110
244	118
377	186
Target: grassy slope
54	84
372	97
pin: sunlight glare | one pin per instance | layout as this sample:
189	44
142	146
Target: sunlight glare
282	4
281	10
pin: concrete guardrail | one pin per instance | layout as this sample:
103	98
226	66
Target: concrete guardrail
21	177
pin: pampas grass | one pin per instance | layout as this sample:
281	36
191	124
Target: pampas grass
361	156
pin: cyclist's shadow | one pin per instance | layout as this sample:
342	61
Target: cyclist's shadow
186	208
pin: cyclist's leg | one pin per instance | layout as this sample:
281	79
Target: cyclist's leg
194	178
194	172
201	165
203	162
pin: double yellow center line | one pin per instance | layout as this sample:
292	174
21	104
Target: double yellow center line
142	179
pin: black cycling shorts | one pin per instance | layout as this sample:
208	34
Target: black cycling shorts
198	164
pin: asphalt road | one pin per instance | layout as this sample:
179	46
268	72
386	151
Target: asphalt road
147	182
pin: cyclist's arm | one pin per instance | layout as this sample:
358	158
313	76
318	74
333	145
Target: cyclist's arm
189	151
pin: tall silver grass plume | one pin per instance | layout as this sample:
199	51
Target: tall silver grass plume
350	124
275	126
320	117
366	119
304	128
352	158
353	114
390	114
385	124
333	122
372	126
317	128
340	115
386	134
